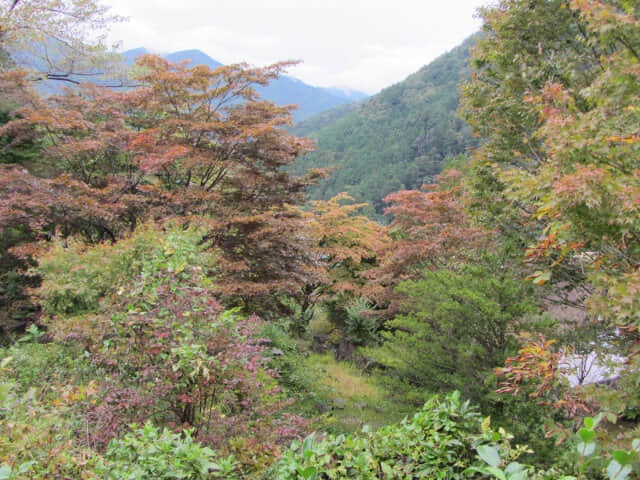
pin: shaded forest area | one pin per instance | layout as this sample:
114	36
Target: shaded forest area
174	305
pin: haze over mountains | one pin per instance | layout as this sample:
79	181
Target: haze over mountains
284	91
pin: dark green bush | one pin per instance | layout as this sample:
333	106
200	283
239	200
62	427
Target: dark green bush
145	453
438	443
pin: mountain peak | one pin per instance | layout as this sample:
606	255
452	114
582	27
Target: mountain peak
283	91
194	56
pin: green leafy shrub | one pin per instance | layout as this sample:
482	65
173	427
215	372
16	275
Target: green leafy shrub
586	458
175	357
437	443
145	453
37	438
145	313
45	365
294	374
78	276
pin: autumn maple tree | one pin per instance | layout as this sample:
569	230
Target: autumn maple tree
189	141
429	227
344	245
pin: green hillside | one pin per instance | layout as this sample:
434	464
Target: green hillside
397	139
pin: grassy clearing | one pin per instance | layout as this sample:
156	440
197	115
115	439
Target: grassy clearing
353	398
346	380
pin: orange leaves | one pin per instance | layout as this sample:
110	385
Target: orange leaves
40	205
341	235
556	93
206	128
191	141
264	253
581	184
535	362
156	161
629	139
537	371
343	242
77	393
619	298
429	226
602	15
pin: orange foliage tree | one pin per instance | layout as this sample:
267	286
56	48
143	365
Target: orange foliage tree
345	245
429	228
189	141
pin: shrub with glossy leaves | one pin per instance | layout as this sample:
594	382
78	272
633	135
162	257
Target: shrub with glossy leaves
436	443
146	453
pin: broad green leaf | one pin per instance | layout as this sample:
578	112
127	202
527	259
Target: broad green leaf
482	470
5	472
622	457
597	419
496	472
309	473
387	470
489	454
586	435
513	467
307	446
615	471
586	449
589	423
522	475
25	467
611	417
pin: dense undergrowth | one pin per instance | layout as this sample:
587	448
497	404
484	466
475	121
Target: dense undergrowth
145	345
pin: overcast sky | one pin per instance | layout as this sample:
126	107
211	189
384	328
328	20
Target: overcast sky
362	45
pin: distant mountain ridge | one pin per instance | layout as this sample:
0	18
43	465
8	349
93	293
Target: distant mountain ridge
284	91
397	139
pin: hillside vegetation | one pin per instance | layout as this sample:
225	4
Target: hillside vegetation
397	139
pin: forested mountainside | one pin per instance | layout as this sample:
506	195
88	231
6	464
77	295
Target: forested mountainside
285	90
397	139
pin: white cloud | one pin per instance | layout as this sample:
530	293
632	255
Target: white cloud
365	45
